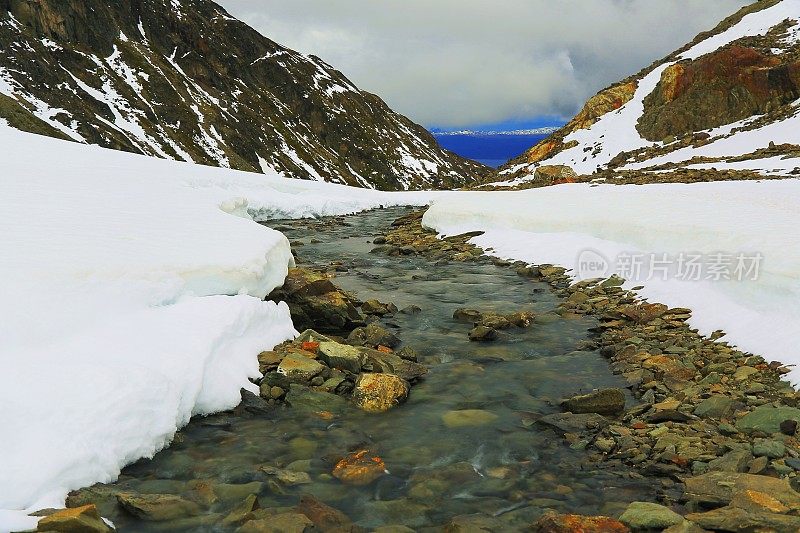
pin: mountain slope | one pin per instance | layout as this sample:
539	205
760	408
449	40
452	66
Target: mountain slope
723	107
182	79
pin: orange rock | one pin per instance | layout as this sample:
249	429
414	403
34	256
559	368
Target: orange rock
385	349
325	415
573	523
85	518
639	425
359	468
310	346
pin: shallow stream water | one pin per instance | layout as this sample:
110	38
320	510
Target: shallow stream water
508	467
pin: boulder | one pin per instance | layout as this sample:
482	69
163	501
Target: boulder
84	519
646	515
376	393
315	302
471	316
554	174
608	402
390	363
242	512
157	507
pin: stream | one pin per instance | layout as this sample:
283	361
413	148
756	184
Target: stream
505	467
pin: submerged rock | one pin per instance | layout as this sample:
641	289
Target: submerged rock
646	515
359	468
468	417
157	507
571	523
483	334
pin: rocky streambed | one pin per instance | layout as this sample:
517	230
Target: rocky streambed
436	389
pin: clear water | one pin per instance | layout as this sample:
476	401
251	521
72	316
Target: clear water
509	467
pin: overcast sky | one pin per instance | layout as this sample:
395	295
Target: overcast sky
478	63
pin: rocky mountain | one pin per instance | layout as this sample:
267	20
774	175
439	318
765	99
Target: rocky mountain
725	106
182	79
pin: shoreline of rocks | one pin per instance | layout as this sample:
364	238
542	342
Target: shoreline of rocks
717	427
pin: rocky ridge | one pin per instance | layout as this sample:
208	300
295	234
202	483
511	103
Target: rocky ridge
184	80
722	107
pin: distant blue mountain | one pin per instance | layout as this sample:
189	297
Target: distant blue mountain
492	148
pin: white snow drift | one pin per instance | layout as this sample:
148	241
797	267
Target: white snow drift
132	299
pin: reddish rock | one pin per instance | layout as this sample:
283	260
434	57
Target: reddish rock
573	523
359	468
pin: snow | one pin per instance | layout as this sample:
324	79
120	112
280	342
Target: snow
758	23
786	131
556	224
132	300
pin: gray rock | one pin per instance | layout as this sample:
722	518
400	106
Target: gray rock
604	402
767	419
300	369
735	519
733	461
774	449
574	423
716	406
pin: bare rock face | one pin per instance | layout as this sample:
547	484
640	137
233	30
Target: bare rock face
184	80
731	84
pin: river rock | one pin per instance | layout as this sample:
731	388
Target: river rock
242	512
774	449
552	522
315	302
279	523
391	363
359	468
468	417
719	488
494	322
324	517
767	419
733	461
574	423
157	507
309	400
752	500
342	356
84	519
717	406
471	316
646	515
608	402
373	335
288	478
376	393
299	368
374	307
734	519
482	334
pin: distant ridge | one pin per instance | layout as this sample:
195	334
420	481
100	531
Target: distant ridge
534	131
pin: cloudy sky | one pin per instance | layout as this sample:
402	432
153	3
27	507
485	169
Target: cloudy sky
484	63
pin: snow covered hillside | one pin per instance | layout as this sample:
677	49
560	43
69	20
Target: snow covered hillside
184	80
730	251
729	101
132	300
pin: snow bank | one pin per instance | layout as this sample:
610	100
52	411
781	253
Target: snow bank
557	224
132	300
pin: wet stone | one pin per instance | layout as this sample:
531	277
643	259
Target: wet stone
157	507
604	402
